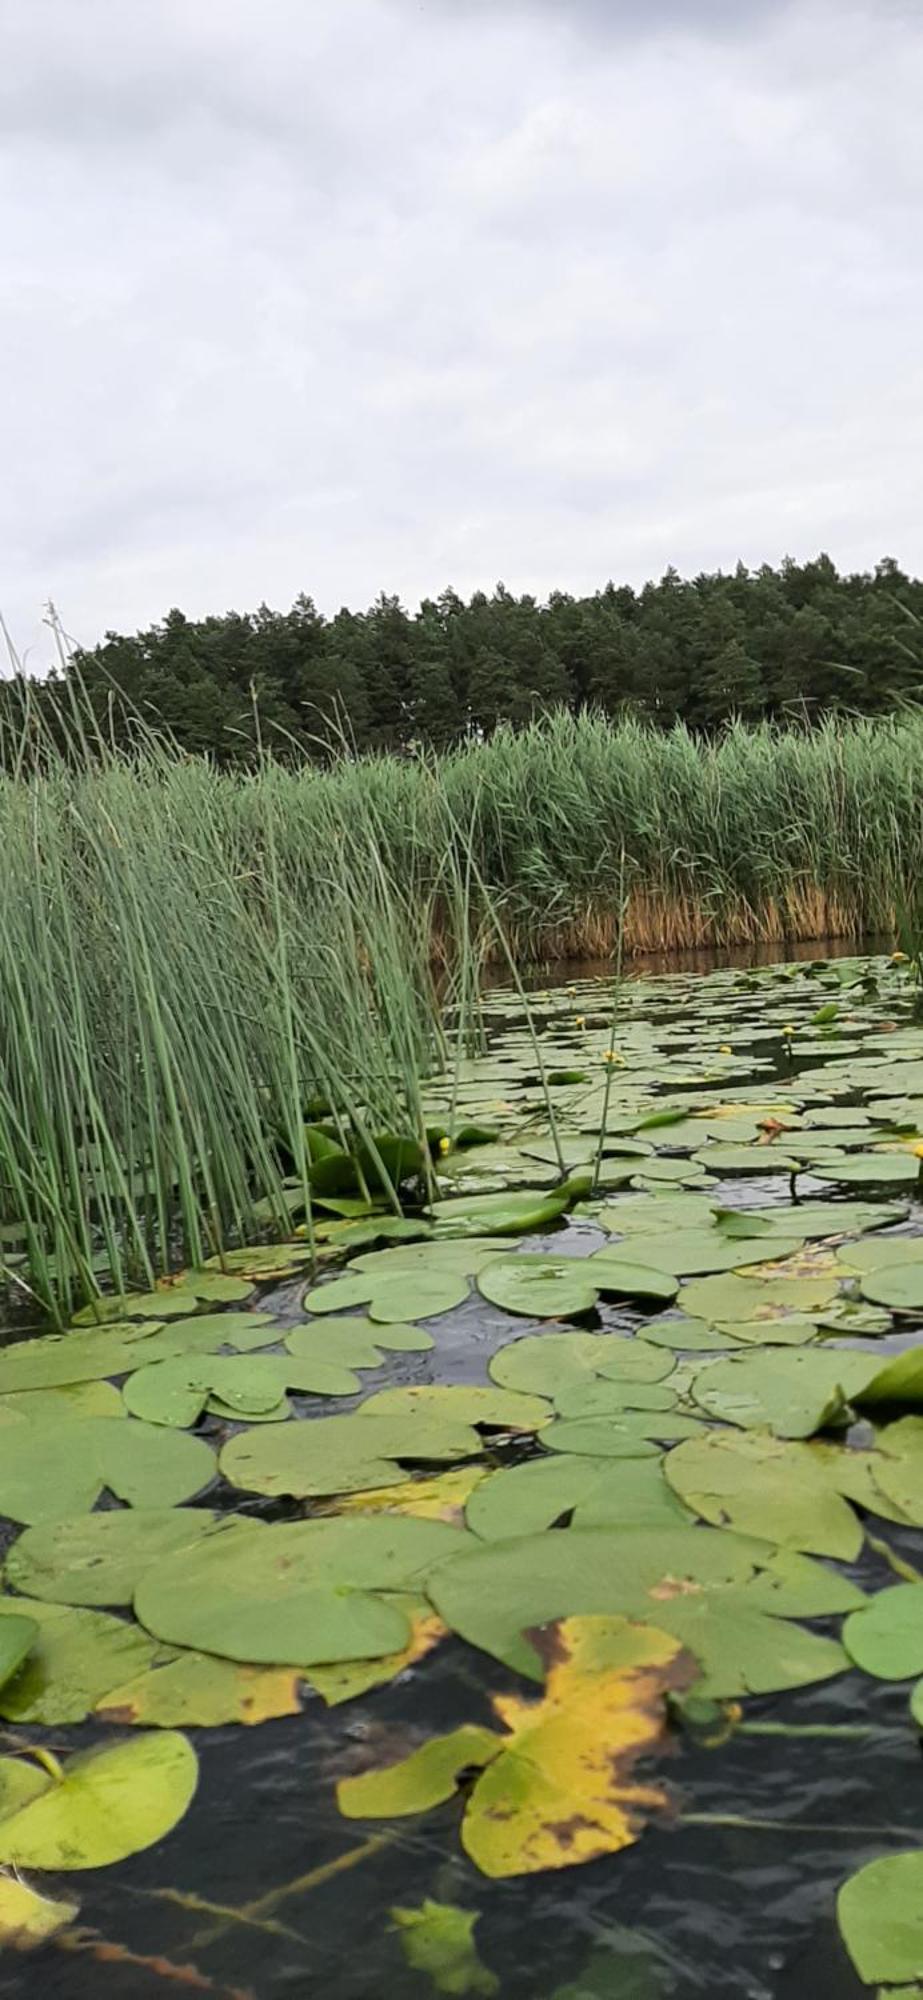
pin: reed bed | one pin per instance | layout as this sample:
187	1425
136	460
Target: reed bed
189	959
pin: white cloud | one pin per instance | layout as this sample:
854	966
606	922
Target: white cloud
380	294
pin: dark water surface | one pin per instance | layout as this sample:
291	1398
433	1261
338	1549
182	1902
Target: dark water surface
301	1899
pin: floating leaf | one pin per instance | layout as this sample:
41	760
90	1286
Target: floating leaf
98	1558
17	1638
604	1399
349	1678
75	1657
197	1691
296	1593
761	1486
492	1597
500	1409
886	1639
540	1287
899	1286
630	1279
355	1343
546	1363
169	1304
628	1435
402	1295
880	1915
438	1939
110	1803
869	1169
792	1393
684	1253
340	1454
441	1497
717	1159
425	1778
78	1399
48	1469
176	1392
518	1212
522	1499
732	1298
28	1919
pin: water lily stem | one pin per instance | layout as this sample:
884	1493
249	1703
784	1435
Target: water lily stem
791	1826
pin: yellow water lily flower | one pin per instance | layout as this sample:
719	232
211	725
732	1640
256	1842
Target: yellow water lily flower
789	1028
445	1145
612	1056
899	958
579	1020
725	1049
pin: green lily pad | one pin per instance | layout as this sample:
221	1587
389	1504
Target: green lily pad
899	1286
627	1434
48	1469
176	1392
628	1279
356	1343
170	1304
403	1295
496	1596
760	1485
724	1300
685	1253
340	1454
522	1499
464	1403
718	1159
607	1399
793	1393
75	1658
540	1287
545	1363
98	1558
296	1594
17	1638
880	1914
78	1399
869	1169
513	1213
109	1803
887	1639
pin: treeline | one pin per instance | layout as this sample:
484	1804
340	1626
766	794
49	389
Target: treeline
800	641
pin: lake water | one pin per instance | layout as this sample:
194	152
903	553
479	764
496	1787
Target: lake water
264	1890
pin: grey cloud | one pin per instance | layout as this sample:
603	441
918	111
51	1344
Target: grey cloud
388	294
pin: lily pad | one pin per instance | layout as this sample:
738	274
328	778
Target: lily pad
899	1286
880	1915
28	1919
108	1803
513	1213
195	1690
545	1363
793	1393
99	1558
540	1287
74	1659
523	1499
402	1295
887	1639
685	1253
48	1469
297	1593
17	1638
340	1454
759	1485
499	1409
176	1392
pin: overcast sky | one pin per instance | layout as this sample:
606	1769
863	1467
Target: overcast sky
351	295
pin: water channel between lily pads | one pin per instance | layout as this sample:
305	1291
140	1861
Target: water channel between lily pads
264	1888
